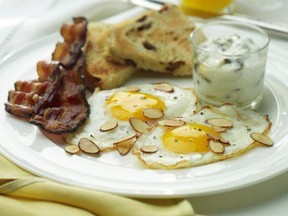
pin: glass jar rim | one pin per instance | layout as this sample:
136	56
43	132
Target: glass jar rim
230	23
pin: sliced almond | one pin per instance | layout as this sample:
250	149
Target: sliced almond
124	147
218	129
125	139
123	150
217	138
224	141
133	88
138	125
216	147
149	149
153	113
221	122
212	137
262	139
88	146
164	87
72	149
109	125
171	123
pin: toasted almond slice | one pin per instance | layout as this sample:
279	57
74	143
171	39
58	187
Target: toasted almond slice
125	146
216	147
149	149
221	122
88	146
125	139
133	88
218	129
262	139
212	137
109	125
164	87
72	149
224	141
138	125
171	122
123	150
153	113
217	138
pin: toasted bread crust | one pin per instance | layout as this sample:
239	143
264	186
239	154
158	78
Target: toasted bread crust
107	74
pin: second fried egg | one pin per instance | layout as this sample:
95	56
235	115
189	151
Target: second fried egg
188	145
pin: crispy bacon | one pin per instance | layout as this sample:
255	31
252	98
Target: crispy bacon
25	100
47	71
32	86
74	35
20	104
74	32
56	102
21	111
70	106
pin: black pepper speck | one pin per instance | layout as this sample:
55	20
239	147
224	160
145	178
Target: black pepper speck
196	66
227	61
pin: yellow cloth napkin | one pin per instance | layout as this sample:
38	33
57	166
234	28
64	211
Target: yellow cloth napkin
21	193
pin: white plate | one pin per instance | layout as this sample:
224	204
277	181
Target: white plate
25	145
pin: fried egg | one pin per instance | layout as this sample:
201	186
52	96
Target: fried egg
123	103
191	144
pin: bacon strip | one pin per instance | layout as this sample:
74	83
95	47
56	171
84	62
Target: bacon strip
74	35
32	86
47	71
20	104
71	112
56	102
28	95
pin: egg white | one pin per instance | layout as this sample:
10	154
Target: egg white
244	122
180	102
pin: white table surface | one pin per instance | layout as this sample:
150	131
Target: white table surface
266	198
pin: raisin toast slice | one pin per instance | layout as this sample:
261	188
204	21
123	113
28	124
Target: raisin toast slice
101	72
157	41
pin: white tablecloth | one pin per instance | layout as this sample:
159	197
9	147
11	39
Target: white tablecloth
22	22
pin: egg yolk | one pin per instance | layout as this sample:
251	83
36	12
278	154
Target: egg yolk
124	105
188	138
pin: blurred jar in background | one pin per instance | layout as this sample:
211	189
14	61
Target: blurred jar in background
196	7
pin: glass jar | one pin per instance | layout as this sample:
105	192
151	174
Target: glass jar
229	60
